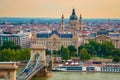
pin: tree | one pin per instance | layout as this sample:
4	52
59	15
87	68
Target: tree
95	44
116	52
8	55
24	54
84	55
59	52
10	44
80	48
106	48
93	47
48	51
14	55
65	54
72	50
116	59
90	49
17	47
55	52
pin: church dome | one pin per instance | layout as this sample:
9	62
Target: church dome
73	16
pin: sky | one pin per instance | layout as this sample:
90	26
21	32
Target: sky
55	8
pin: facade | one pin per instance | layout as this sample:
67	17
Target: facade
53	40
100	37
22	39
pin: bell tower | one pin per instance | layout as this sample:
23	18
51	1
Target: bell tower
62	22
80	21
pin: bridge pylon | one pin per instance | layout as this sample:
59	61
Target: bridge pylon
42	52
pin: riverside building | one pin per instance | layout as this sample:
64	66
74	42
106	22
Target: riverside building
22	39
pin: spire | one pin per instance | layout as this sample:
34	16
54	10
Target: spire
62	22
73	11
80	21
80	16
62	16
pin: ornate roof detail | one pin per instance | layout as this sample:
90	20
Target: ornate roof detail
73	16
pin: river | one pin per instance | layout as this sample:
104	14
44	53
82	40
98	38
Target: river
80	76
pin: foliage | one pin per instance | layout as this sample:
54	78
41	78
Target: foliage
62	47
116	59
10	44
65	54
84	54
48	51
72	50
116	55
80	48
89	48
95	44
14	55
107	48
104	49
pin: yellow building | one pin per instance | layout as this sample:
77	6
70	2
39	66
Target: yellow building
54	40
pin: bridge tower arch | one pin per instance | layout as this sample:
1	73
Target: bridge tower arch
41	51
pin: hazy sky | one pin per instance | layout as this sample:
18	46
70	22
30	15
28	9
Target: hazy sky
55	8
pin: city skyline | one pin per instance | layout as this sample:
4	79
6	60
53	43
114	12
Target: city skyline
55	8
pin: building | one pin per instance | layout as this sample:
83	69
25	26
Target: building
22	39
104	35
74	23
53	40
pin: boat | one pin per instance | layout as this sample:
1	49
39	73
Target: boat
69	68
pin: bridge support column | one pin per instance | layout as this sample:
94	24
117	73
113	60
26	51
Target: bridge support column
43	73
10	68
12	75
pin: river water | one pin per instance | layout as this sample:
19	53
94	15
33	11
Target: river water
80	76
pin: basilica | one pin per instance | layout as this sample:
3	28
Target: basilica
65	36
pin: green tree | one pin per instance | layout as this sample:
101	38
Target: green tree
48	52
90	49
59	52
10	44
7	55
17	47
95	44
106	48
14	55
72	50
65	54
24	54
116	59
116	52
80	48
84	55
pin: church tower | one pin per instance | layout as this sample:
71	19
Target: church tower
62	22
73	21
80	21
